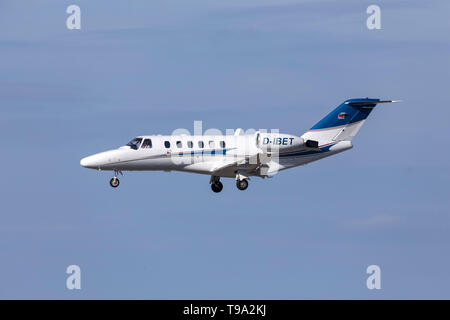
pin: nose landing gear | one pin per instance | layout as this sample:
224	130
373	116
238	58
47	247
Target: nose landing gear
114	182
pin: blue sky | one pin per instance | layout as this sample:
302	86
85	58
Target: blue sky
141	67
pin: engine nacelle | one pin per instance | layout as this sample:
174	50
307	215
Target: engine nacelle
278	142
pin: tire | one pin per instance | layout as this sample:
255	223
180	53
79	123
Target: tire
217	186
114	182
242	184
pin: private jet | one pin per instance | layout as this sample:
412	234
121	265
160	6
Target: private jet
239	156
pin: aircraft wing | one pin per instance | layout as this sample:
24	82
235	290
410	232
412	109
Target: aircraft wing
226	164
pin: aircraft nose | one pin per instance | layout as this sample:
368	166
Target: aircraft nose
100	160
88	162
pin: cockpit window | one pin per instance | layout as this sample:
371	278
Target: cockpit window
147	144
135	143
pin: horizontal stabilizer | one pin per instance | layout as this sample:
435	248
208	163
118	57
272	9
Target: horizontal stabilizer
367	102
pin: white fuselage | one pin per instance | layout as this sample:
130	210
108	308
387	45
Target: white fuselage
258	154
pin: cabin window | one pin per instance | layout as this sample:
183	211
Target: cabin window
135	143
190	144
222	144
201	144
167	144
147	144
179	144
211	144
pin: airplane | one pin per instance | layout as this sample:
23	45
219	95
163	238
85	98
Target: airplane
240	156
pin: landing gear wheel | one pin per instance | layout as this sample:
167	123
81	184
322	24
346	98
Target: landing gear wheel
242	184
217	186
114	182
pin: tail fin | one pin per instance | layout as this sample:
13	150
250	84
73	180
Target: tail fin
344	122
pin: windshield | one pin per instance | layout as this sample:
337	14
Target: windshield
135	143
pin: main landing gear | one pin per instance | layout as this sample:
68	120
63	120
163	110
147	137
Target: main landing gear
241	183
216	185
241	180
114	182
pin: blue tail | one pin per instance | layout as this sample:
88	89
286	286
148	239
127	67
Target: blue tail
344	122
350	111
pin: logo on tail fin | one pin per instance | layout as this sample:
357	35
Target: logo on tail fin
342	115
